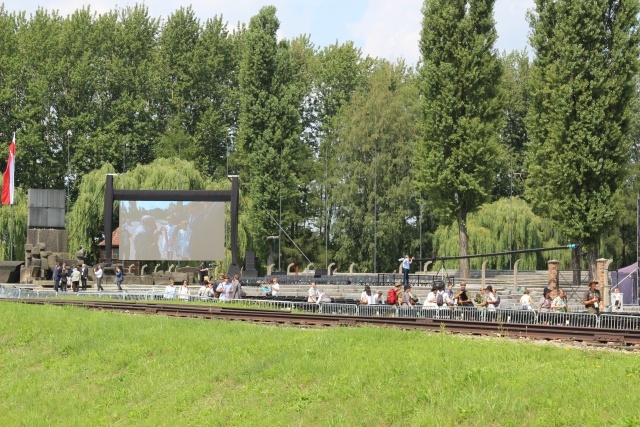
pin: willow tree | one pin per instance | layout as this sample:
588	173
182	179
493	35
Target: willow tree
508	222
86	219
582	85
460	80
13	220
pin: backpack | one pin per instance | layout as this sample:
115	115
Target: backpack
439	299
497	302
391	296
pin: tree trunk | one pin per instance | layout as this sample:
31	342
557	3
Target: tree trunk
592	256
464	244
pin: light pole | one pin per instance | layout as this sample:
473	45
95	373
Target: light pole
68	174
420	236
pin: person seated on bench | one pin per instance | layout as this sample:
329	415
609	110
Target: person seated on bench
365	297
379	298
314	293
430	302
170	291
463	297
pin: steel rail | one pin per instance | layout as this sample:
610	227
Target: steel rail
537	331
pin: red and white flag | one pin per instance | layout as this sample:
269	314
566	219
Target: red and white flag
7	182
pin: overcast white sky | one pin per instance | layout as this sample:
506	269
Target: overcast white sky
383	28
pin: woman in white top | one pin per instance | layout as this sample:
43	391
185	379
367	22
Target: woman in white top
170	291
183	293
203	289
275	287
525	300
430	302
560	302
366	298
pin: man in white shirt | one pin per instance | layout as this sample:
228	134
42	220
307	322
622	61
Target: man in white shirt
98	273
406	267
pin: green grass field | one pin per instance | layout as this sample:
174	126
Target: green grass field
72	367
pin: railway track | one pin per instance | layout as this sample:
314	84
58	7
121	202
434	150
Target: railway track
286	317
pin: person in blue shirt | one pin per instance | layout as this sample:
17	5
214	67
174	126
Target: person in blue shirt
406	267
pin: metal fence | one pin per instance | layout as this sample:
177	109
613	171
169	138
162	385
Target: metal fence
621	321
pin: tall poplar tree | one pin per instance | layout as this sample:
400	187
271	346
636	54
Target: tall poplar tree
269	145
460	79
582	85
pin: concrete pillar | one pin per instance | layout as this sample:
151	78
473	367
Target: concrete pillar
333	264
353	264
602	276
553	276
515	275
426	265
484	272
400	269
270	269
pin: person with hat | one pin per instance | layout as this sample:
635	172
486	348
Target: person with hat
591	298
394	294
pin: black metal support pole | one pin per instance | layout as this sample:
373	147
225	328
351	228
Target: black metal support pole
108	218
521	251
235	193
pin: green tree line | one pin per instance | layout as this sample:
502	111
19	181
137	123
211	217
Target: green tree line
357	159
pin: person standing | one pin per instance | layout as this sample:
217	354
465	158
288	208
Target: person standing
84	275
236	288
64	277
560	302
75	278
119	277
56	276
406	267
525	300
202	271
591	298
98	272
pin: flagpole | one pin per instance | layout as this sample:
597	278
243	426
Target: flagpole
13	232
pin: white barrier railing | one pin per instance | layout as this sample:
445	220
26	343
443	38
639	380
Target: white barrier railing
478	314
612	321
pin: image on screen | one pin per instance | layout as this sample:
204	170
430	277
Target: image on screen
166	231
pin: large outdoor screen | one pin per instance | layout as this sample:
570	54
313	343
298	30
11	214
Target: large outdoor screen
156	230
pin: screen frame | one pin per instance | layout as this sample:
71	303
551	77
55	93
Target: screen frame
111	195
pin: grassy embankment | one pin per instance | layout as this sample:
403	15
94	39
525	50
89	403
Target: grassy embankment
68	366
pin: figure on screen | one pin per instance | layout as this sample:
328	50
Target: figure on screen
144	241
